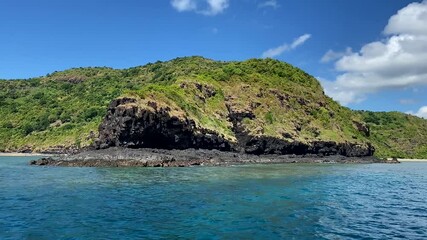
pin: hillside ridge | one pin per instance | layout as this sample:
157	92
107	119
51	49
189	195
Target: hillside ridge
246	105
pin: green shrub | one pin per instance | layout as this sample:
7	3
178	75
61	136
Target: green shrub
269	117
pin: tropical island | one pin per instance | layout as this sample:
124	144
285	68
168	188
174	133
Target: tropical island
256	107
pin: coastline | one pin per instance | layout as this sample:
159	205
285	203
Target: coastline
411	160
125	157
17	154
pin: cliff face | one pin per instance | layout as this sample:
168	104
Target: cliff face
256	107
137	123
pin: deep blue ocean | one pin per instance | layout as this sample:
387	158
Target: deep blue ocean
285	201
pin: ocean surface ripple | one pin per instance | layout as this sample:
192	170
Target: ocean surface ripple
283	201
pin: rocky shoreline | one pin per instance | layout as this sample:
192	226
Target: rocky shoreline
146	157
148	133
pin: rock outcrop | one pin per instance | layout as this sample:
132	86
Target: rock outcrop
136	123
269	145
133	124
146	157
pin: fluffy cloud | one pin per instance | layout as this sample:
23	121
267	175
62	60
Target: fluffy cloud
205	7
422	112
340	93
270	3
409	20
398	61
331	55
274	52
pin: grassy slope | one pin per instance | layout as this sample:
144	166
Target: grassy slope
64	107
395	134
257	82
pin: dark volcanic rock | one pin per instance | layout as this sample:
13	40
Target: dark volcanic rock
43	161
362	127
127	124
153	125
146	157
270	145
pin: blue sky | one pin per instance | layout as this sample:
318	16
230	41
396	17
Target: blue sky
348	45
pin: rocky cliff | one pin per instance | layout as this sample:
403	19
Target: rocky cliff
140	123
148	124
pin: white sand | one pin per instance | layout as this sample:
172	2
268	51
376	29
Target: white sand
411	160
22	154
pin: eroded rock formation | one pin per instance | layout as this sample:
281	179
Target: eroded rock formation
135	123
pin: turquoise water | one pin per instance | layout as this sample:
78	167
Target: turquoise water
245	202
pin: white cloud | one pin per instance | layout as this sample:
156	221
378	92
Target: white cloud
216	6
409	20
422	112
398	61
300	40
342	94
331	55
184	5
407	101
274	52
270	3
205	7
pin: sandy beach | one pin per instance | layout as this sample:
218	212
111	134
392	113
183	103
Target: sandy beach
23	154
411	160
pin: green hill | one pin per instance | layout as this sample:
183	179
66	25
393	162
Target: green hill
274	99
396	134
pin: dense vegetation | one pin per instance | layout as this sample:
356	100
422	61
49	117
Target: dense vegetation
65	108
397	134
